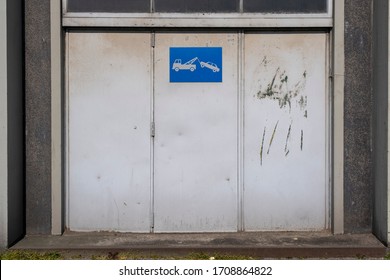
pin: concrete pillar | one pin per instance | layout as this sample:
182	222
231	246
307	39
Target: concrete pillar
38	117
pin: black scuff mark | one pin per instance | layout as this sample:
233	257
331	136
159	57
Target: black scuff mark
262	147
301	140
272	137
278	89
265	61
286	149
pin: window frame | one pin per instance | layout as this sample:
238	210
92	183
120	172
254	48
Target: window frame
215	20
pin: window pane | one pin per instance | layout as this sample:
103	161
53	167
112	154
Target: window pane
285	6
109	6
197	6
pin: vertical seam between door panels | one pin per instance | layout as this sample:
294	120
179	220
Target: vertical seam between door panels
240	142
67	188
328	135
152	90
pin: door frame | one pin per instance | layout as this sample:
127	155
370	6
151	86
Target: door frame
336	93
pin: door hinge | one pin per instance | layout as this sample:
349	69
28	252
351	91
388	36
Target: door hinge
152	129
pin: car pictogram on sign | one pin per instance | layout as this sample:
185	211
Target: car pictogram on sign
210	65
189	65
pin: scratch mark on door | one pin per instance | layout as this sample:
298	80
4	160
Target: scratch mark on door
272	137
262	147
286	149
301	140
269	91
264	62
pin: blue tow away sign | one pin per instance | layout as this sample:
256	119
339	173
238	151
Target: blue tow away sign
195	64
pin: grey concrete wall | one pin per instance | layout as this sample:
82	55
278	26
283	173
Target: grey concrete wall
38	116
381	116
358	186
11	123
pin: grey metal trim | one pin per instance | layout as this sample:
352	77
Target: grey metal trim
195	20
338	119
56	118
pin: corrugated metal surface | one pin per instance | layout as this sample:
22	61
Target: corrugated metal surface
285	132
196	141
109	131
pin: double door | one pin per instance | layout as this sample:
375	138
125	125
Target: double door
148	152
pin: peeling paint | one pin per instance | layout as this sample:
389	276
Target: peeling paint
272	137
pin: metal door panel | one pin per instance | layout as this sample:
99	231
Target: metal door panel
196	141
285	185
109	131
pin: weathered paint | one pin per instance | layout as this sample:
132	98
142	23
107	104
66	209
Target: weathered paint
109	131
285	76
196	141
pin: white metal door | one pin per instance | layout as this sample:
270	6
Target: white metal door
186	178
109	96
285	184
195	151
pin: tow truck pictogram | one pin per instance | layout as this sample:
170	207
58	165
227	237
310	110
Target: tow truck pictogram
189	65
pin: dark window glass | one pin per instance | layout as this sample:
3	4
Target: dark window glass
285	6
196	6
109	6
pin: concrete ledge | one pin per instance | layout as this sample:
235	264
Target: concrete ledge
261	245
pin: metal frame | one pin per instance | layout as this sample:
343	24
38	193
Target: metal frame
56	118
337	75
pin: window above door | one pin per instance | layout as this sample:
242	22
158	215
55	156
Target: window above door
200	13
